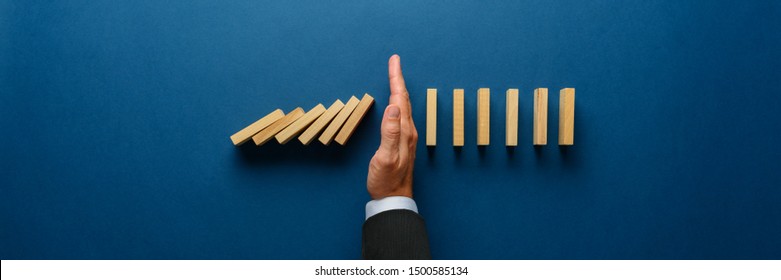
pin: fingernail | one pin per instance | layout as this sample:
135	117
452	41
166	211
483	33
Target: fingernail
393	112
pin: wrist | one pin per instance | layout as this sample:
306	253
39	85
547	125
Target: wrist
401	192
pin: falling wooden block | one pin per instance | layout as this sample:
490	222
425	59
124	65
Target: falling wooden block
300	124
355	118
311	132
458	117
540	116
245	134
483	116
330	131
267	133
567	116
431	117
511	121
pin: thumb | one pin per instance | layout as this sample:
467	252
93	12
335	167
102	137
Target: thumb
391	130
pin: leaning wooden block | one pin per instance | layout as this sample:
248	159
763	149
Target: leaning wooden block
431	117
483	116
355	119
511	121
330	131
267	133
540	116
458	117
311	132
245	134
300	124
567	116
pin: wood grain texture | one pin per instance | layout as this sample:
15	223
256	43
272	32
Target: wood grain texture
246	133
333	128
318	126
300	124
540	116
511	118
567	116
269	132
483	116
431	117
354	119
458	117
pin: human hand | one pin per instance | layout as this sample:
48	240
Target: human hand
390	170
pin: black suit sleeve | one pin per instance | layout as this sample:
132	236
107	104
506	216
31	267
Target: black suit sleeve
395	234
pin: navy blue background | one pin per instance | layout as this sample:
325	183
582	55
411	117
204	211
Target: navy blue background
115	118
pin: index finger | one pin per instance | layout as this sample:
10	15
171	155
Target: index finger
398	88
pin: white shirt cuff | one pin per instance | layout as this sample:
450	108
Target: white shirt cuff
377	206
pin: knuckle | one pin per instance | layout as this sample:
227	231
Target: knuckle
383	160
392	130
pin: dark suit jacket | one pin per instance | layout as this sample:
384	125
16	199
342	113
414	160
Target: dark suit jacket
395	235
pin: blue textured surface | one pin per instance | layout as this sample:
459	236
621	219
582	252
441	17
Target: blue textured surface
116	115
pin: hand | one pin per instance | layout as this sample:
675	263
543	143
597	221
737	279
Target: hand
390	170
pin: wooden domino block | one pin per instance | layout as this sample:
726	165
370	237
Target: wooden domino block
540	116
330	131
245	134
431	117
567	116
511	131
458	117
318	126
483	116
300	124
355	118
267	133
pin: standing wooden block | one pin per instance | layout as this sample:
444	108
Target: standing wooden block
431	117
267	133
300	124
330	131
511	121
311	132
567	116
541	116
483	116
458	117
245	134
355	119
